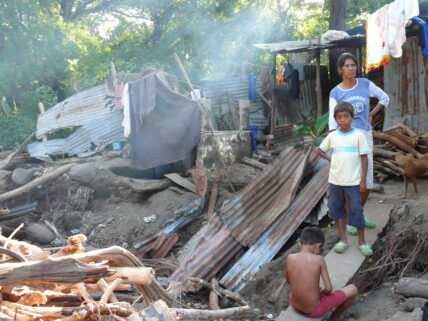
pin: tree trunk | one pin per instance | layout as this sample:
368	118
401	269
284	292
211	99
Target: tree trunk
412	287
337	21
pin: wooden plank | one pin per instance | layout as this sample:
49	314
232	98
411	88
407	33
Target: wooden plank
342	267
179	180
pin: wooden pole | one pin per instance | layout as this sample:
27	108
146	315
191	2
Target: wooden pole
318	90
208	120
34	183
42	110
4	163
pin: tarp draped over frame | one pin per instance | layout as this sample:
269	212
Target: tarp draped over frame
165	126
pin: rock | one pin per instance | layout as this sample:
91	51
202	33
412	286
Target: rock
412	303
22	176
39	233
404	210
416	315
83	173
377	188
4	174
71	220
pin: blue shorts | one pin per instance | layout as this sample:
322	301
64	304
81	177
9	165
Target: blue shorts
336	204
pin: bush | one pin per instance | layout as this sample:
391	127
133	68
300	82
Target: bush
15	127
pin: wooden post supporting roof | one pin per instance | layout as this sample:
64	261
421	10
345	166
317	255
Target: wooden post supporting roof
318	89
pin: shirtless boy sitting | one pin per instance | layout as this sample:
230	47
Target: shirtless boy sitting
303	271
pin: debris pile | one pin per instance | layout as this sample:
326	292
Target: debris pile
399	139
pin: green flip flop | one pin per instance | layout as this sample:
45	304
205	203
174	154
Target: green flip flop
370	224
340	247
352	230
366	250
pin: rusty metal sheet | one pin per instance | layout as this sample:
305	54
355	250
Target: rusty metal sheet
218	91
250	213
77	110
269	244
208	258
84	141
311	44
406	83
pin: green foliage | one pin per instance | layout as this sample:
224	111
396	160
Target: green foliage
15	127
315	128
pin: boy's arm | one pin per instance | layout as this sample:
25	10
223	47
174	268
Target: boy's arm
364	165
325	278
286	272
323	155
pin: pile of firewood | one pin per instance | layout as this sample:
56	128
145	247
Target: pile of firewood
399	139
75	285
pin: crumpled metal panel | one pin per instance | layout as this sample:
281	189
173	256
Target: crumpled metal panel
269	244
253	210
311	44
85	140
237	87
77	110
406	83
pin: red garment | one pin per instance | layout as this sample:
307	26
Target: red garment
326	303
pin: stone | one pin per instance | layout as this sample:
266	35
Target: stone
404	210
4	174
83	173
71	220
22	176
411	304
39	233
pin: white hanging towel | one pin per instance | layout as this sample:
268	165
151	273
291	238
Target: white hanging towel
386	32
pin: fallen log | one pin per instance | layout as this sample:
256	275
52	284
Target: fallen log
407	130
253	163
398	143
109	291
36	182
391	164
194	314
64	270
412	287
384	169
158	311
377	151
117	256
132	275
220	291
411	141
4	163
103	286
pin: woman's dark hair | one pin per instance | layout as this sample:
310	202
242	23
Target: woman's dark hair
342	58
311	236
344	106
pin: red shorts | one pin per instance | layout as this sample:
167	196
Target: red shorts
326	303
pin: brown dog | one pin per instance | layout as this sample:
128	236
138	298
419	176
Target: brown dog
412	167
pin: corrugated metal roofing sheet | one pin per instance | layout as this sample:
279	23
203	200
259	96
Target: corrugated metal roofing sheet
236	87
76	110
85	140
250	213
406	83
269	244
311	44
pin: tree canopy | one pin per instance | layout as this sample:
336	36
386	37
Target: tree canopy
50	49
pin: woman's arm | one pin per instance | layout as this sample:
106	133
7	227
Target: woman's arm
383	98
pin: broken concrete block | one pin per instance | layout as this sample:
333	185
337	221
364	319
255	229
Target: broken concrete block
39	233
83	173
22	176
4	174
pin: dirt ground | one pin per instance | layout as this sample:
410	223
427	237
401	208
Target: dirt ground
269	293
118	219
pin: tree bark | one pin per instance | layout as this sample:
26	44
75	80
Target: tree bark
412	287
398	143
189	314
36	182
383	153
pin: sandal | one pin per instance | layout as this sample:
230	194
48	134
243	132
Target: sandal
366	250
340	247
370	224
352	230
